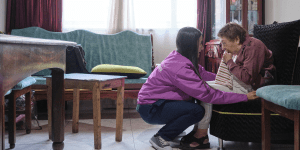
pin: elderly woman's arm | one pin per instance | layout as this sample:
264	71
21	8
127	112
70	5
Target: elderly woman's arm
249	70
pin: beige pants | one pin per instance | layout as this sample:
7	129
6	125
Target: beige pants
238	87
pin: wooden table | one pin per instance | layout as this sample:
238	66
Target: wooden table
21	57
95	83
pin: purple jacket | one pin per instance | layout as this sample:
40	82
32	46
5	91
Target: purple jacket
175	79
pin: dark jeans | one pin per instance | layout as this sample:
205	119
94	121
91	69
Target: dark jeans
176	115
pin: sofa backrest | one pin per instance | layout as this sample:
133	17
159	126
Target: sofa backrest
124	48
283	40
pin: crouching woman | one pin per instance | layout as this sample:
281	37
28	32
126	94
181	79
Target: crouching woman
168	96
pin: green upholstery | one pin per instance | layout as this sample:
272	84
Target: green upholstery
24	83
40	80
131	81
8	92
124	48
287	96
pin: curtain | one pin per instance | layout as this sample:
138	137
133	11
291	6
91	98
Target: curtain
121	16
162	19
46	14
204	25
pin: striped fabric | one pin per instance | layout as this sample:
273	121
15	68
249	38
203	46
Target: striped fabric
224	77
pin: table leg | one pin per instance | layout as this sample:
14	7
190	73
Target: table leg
119	115
28	111
12	119
97	116
265	127
296	129
58	105
76	96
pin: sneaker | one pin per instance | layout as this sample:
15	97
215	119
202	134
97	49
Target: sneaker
159	143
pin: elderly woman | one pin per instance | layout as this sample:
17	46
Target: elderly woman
251	68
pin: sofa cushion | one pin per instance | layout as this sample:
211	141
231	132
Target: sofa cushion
287	96
24	83
131	72
282	39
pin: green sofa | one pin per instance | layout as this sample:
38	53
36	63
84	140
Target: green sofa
124	48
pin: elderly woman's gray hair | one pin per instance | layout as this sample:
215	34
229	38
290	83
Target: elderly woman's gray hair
232	31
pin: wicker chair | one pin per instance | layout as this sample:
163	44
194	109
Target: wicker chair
242	121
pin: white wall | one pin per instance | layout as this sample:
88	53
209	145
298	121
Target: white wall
281	11
2	15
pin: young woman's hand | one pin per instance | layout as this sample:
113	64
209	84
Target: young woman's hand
252	95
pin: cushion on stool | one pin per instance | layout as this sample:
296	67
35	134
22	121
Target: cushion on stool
40	80
287	96
8	92
24	83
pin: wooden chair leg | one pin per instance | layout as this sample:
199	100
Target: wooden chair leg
296	129
119	115
49	106
28	112
76	96
12	119
265	127
97	116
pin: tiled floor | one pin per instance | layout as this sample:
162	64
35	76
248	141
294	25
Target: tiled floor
136	135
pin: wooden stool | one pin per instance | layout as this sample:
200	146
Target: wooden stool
23	87
285	101
95	83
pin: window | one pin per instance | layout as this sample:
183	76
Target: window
218	16
89	15
93	15
155	14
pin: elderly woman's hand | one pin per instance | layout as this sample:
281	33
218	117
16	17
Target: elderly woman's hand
227	57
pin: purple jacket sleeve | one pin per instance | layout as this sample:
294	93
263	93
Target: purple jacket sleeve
187	81
206	76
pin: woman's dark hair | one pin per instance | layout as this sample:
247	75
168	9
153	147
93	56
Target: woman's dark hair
187	45
233	30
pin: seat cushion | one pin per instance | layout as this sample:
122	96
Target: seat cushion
131	72
24	83
135	81
42	80
8	92
282	39
287	96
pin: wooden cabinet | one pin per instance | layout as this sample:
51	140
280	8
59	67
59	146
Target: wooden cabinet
245	12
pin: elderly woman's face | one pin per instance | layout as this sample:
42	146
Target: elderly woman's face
231	46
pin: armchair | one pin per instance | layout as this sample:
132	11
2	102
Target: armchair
242	121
